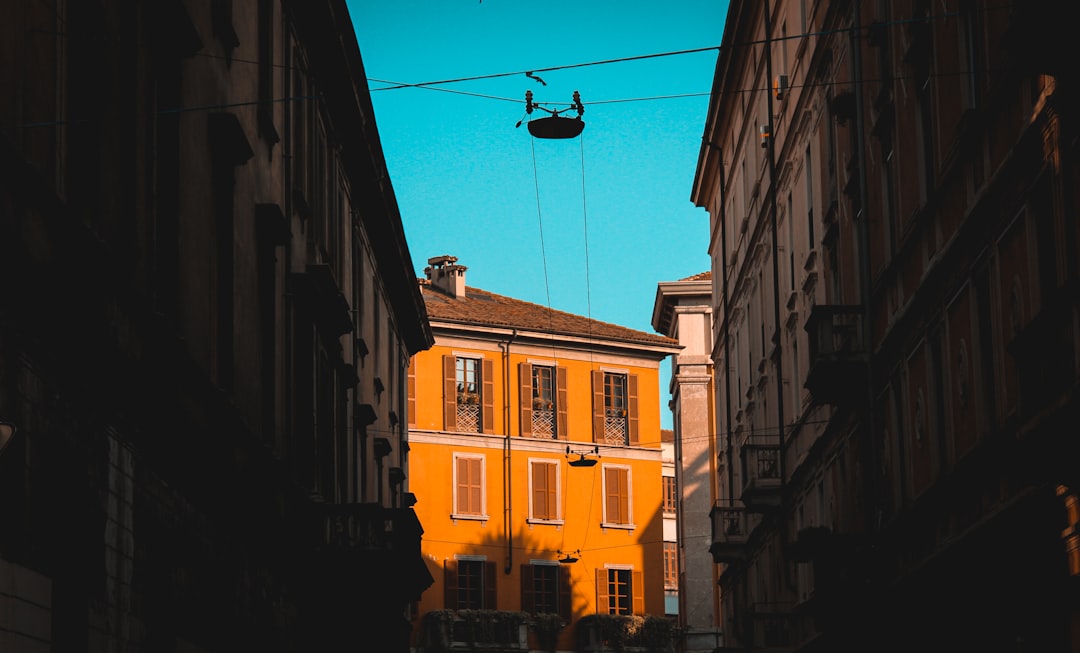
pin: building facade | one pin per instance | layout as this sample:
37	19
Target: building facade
207	309
683	310
538	436
894	234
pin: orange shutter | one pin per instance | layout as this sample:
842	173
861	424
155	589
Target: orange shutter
553	493
598	405
449	393
475	490
528	600
450	593
611	495
562	427
632	407
411	407
462	485
539	490
525	377
487	377
603	598
637	590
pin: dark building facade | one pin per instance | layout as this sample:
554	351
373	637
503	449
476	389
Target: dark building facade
894	234
207	309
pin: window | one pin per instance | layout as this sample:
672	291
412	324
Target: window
544	490
617	503
543	401
469	487
620	591
671	566
469	583
671	497
545	588
468	394
615	407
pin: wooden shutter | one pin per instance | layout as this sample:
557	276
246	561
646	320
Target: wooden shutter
562	428
552	492
565	594
525	378
489	586
462	486
411	407
539	491
637	590
598	405
632	407
603	599
528	598
449	393
450	593
487	395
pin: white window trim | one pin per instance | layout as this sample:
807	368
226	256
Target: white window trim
558	521
629	497
483	516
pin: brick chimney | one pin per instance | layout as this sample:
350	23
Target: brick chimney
443	272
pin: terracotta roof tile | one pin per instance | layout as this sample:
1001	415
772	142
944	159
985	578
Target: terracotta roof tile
700	276
485	308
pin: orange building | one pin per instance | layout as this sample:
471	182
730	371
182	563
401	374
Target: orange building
534	442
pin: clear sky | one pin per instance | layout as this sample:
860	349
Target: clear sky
587	225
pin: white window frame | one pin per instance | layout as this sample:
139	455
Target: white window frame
558	521
455	514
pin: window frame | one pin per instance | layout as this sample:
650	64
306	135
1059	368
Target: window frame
628	506
670	495
671	565
532	518
635	589
456	512
561	590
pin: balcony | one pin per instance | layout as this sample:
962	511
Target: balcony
365	542
837	374
494	631
729	532
761	473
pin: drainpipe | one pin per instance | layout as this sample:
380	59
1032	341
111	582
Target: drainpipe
507	486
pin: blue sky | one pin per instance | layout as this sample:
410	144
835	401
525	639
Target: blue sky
587	225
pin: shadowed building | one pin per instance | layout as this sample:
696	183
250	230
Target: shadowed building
683	310
894	235
207	308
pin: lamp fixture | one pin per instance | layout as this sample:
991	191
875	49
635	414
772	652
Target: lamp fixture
554	126
582	461
568	558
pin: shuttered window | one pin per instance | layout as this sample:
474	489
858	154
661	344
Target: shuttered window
617	496
620	591
468	394
545	490
546	589
469	585
469	485
615	408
